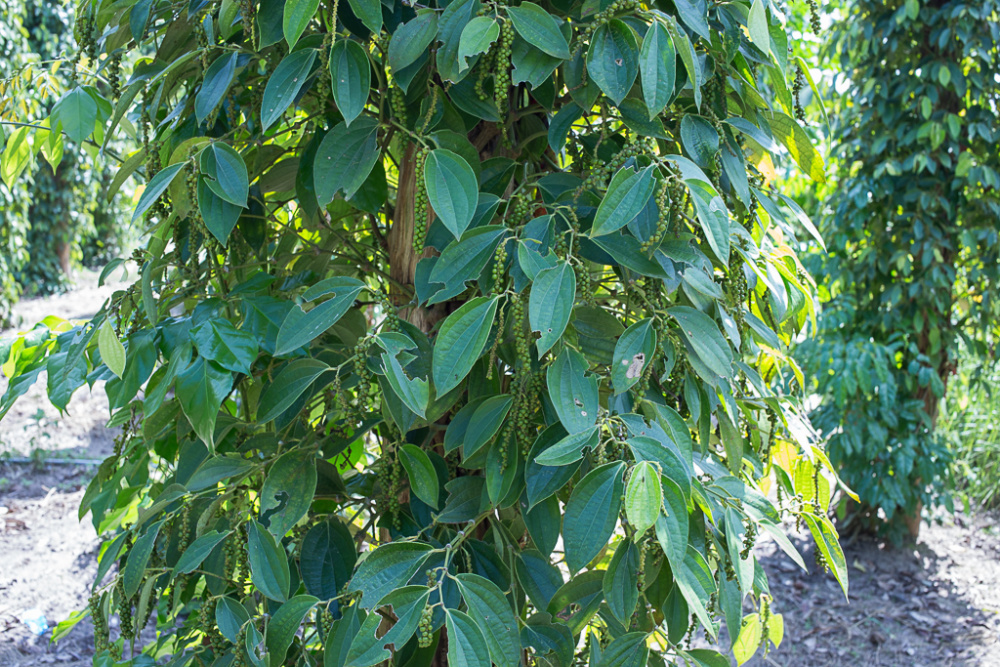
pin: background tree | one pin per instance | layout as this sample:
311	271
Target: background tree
456	331
913	242
50	216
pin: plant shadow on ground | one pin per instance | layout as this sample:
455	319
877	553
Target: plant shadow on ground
933	603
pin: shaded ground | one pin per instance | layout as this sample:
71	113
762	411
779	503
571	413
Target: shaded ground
933	604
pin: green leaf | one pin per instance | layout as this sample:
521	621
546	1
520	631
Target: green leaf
220	216
799	145
539	28
351	74
288	490
629	650
414	392
700	140
592	513
216	469
550	304
370	13
672	523
297	15
658	68
574	395
386	569
156	187
713	216
198	550
454	19
485	422
466	646
452	189
345	158
827	541
326	558
301	328
757	26
268	564
111	349
338	642
16	156
76	113
286	388
478	36
627	194
748	639
620	579
633	353
412	39
703	335
461	341
138	557
201	388
492	614
368	648
284	85
463	261
569	449
284	624
686	51
226	173
219	341
613	59
230	616
218	77
420	470
643	496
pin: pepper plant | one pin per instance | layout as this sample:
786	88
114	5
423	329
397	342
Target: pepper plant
457	335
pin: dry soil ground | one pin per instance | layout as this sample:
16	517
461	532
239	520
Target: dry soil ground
933	604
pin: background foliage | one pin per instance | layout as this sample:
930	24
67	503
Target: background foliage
912	240
459	330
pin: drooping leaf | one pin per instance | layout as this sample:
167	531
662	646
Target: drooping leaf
574	394
386	569
592	513
351	74
201	388
658	68
490	610
288	491
296	18
643	497
112	350
613	59
268	564
345	158
301	328
420	470
627	193
284	85
539	29
461	341
452	189
550	304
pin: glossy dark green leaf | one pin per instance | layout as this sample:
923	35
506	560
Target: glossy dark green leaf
326	558
420	470
658	68
700	140
386	569
451	26
268	564
485	422
287	386
633	353
686	51
620	579
461	341
296	18
288	490
351	76
201	388
230	616
466	645
219	215
138	558
703	335
569	449
452	189
538	576
370	13
627	193
643	497
216	469
713	217
463	261
613	59
284	85
338	643
345	158
284	624
544	524
156	187
573	393
218	77
629	650
550	304
411	39
198	550
223	343
492	613
225	173
368	648
539	29
414	392
301	328
592	513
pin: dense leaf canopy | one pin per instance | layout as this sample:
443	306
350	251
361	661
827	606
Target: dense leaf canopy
459	330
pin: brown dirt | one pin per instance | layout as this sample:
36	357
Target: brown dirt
936	603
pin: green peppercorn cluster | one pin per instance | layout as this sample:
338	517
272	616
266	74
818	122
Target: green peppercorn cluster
100	621
397	103
814	21
615	8
517	210
519	324
114	73
247	11
765	621
501	74
666	205
389	475
420	201
125	625
797	85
